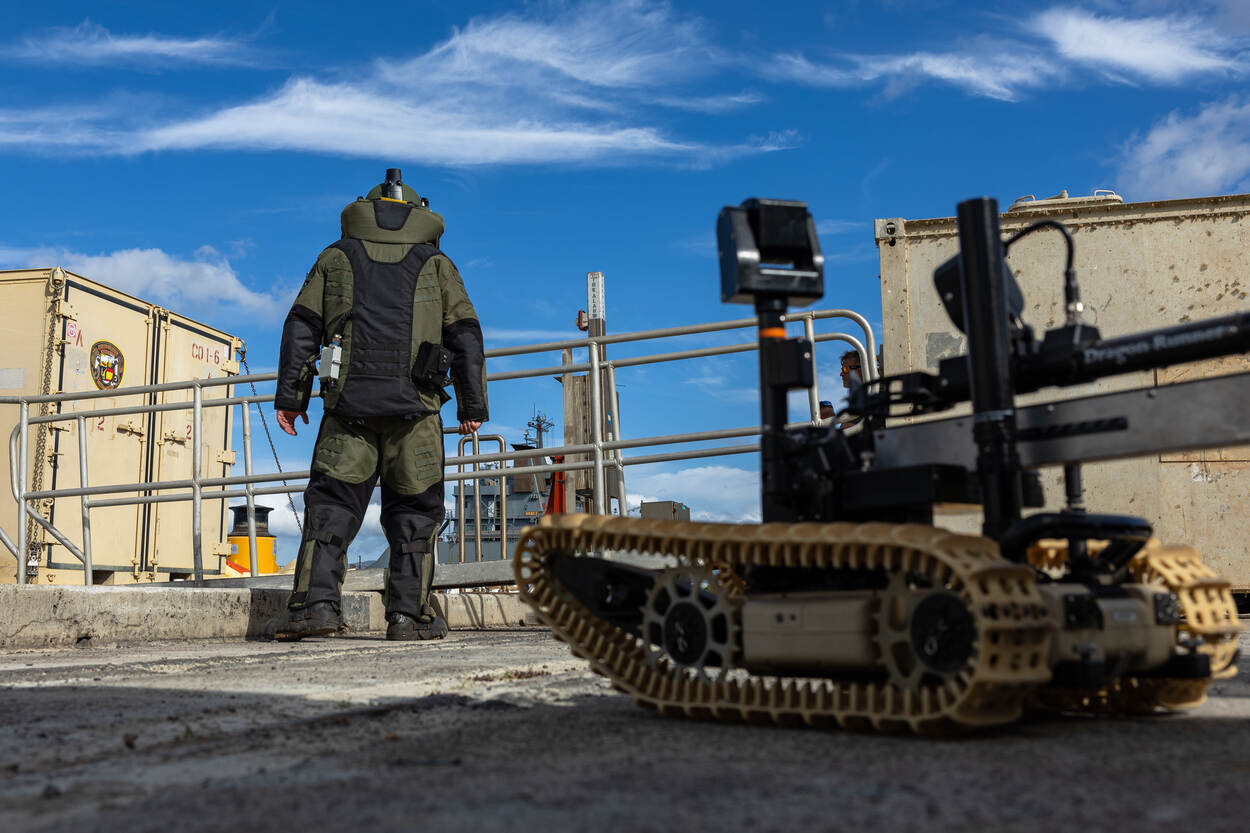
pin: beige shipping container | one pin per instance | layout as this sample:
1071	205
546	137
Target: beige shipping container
1140	266
66	333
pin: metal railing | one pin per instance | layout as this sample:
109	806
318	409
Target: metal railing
603	451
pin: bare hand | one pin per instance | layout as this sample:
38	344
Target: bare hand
286	420
468	426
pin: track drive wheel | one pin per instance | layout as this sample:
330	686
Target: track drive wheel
690	621
926	634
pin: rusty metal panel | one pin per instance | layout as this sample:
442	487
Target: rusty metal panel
1140	266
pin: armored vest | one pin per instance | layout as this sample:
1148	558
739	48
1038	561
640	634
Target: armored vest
383	314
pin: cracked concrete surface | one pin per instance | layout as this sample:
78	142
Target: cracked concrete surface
506	730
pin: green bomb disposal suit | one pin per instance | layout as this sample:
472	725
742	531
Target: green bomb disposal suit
393	299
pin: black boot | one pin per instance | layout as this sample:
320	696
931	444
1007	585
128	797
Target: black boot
318	619
429	625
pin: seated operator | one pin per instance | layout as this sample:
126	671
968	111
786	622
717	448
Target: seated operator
852	377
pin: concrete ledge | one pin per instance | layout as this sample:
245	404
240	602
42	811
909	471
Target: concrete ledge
45	617
478	611
474	574
49	617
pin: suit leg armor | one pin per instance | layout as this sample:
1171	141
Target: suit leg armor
333	511
411	523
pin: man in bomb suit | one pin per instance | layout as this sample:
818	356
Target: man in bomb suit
388	315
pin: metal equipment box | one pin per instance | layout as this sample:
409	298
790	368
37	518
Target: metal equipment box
664	510
1140	266
63	333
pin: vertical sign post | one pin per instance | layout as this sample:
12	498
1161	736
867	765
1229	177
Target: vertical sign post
595	303
596	307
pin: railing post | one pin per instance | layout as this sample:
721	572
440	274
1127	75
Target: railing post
460	501
616	435
596	428
197	545
23	465
88	573
868	370
477	501
813	393
249	489
503	505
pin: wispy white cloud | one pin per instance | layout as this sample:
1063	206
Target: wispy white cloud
1186	156
84	125
205	281
584	84
717	377
710	104
90	44
703	243
1046	49
623	45
574	88
357	120
1166	49
861	252
995	70
833	228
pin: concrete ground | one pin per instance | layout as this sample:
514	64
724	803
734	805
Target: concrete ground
505	730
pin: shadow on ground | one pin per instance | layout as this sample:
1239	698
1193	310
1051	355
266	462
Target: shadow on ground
542	754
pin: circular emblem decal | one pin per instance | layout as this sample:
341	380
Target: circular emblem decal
107	365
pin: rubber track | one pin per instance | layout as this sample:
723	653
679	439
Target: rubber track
1208	611
1012	623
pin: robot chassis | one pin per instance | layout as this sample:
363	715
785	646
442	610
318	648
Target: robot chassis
847	606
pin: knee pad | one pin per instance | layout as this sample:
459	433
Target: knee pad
322	563
333	526
406	523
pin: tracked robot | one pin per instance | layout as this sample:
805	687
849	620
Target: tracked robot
847	606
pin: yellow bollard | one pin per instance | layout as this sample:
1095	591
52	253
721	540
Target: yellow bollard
239	559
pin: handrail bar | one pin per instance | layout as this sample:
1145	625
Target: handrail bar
602	449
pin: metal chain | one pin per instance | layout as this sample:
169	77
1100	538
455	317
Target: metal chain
33	544
272	447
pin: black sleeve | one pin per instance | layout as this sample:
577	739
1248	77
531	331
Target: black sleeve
468	368
301	342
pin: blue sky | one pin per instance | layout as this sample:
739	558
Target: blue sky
198	156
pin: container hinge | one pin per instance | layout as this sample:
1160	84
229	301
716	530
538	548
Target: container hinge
226	457
172	436
222	549
230	367
128	427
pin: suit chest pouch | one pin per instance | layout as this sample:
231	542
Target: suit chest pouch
430	368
